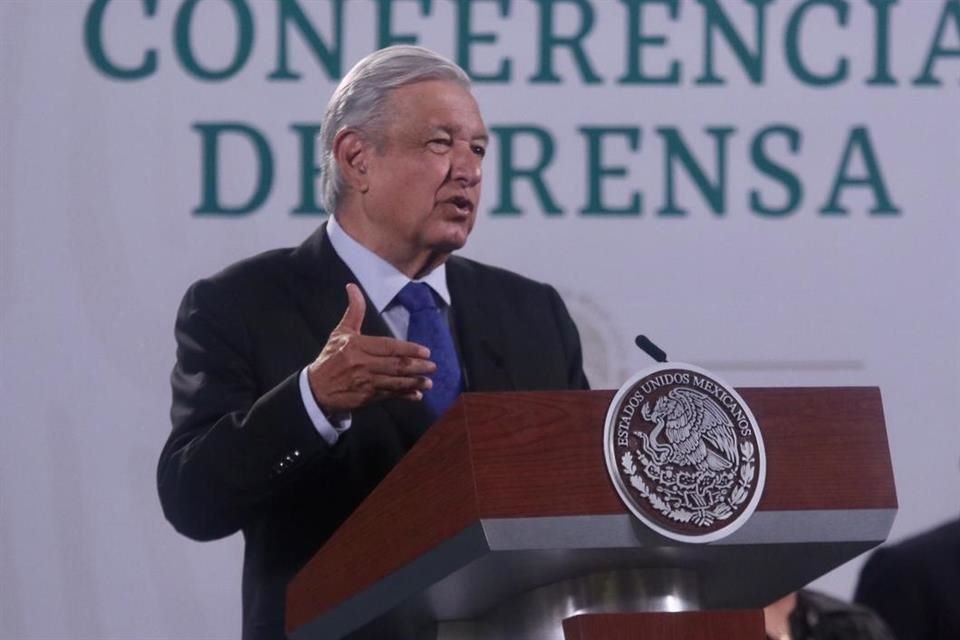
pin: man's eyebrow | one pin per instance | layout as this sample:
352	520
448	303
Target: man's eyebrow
453	130
483	136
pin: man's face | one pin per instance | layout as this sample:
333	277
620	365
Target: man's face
424	172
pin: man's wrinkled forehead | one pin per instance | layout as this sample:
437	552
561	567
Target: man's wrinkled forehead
438	105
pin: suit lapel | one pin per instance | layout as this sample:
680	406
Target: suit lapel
323	300
323	297
477	328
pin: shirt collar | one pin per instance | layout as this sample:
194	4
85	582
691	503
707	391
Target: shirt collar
380	279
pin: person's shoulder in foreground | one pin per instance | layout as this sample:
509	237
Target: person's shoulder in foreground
812	615
822	617
915	584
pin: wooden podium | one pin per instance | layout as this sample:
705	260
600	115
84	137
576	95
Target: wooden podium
502	523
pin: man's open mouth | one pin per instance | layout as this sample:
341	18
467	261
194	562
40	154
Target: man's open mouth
462	203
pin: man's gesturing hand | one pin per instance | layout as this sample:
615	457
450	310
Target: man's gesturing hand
353	370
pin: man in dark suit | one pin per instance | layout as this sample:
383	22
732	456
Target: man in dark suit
304	375
915	585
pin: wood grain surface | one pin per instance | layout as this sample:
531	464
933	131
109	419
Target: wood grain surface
541	454
696	625
531	454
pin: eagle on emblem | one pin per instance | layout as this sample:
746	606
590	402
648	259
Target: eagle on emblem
698	432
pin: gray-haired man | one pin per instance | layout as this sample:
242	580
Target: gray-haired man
303	375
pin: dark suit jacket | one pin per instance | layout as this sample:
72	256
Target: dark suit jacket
243	454
915	585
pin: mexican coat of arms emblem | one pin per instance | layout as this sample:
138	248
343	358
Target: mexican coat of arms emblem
684	453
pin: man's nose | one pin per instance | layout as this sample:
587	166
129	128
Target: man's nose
466	168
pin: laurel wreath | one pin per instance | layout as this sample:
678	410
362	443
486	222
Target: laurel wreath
705	517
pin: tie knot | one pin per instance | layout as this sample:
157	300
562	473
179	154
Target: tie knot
416	296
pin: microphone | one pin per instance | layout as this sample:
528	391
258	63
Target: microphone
651	349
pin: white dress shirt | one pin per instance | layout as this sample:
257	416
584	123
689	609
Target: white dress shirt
382	282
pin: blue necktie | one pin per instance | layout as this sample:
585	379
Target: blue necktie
429	328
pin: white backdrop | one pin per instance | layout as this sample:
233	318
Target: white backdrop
99	178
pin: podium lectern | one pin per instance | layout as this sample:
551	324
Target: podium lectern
502	524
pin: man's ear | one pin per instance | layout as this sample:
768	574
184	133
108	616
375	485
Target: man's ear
351	152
